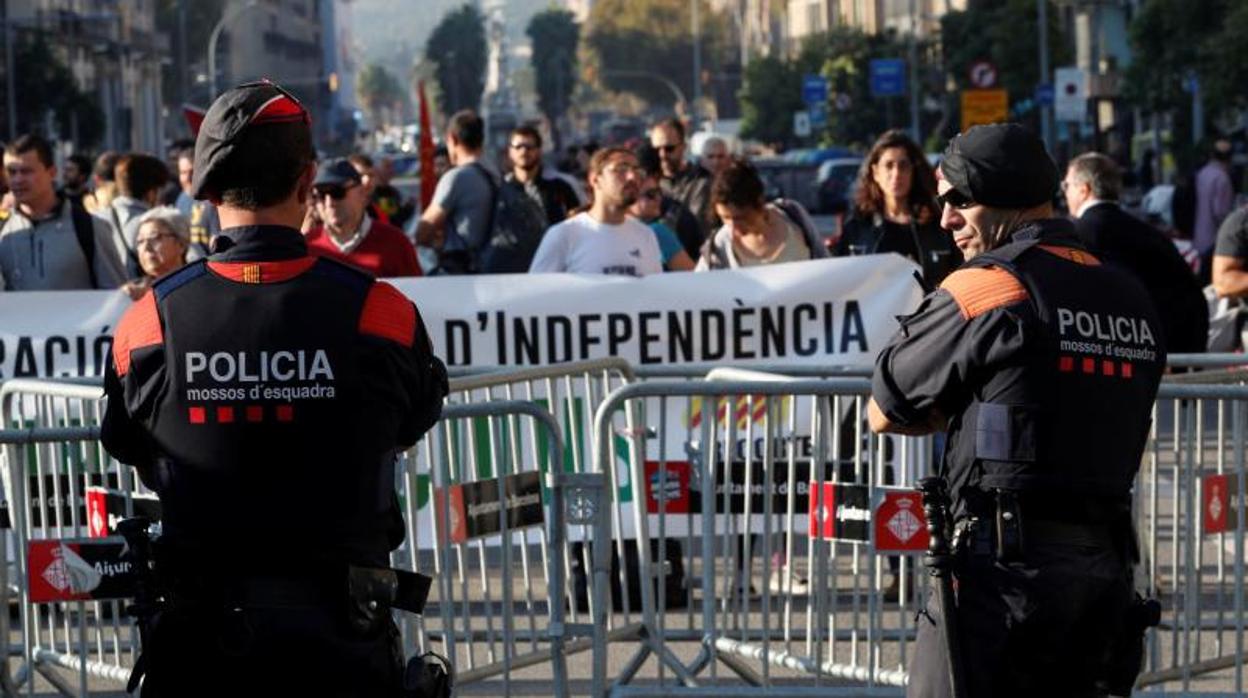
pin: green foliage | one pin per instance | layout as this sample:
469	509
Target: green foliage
1003	32
459	49
772	91
555	35
654	37
45	84
378	90
769	97
1172	41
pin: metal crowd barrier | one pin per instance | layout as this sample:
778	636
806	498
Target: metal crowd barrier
490	521
841	634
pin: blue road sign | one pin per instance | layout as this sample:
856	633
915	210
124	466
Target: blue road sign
818	115
1044	94
888	77
814	89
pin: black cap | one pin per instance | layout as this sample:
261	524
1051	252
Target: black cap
1000	165
236	110
338	171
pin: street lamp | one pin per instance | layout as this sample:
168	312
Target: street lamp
212	45
646	75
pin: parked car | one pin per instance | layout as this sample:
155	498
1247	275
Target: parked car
835	182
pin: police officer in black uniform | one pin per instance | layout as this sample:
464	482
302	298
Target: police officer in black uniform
264	394
1043	364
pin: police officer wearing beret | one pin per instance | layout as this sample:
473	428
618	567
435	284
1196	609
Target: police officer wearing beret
1042	364
264	395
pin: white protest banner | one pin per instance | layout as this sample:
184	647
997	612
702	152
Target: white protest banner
828	312
835	312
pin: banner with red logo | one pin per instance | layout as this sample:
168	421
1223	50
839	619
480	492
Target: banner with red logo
78	569
899	523
1220	503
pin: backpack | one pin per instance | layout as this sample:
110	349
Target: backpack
516	226
84	230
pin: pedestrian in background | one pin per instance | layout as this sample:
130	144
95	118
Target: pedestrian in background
687	182
894	210
345	229
162	241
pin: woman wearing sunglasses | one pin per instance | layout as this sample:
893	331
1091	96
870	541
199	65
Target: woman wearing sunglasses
895	210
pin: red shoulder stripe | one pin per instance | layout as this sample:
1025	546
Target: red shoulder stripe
388	314
139	327
262	272
978	290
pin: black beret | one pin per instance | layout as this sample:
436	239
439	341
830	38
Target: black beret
230	115
1000	165
338	171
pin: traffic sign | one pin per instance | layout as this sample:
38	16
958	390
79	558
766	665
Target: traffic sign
888	77
983	75
818	115
1070	94
801	124
984	107
814	89
1044	94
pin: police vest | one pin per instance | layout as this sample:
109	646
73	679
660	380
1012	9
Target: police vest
1070	417
276	406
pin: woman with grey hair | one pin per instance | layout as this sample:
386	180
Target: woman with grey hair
162	239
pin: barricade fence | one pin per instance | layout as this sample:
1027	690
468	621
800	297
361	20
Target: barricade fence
773	592
843	625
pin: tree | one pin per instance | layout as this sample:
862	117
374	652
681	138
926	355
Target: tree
378	91
769	97
457	45
639	43
44	84
1173	42
1002	32
555	35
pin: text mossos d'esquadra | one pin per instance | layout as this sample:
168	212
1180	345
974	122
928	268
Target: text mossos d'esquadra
285	375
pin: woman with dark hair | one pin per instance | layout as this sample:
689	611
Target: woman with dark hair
895	209
756	232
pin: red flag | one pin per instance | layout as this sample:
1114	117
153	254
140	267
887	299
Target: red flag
194	117
427	177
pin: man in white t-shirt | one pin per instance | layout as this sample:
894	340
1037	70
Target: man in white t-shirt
604	239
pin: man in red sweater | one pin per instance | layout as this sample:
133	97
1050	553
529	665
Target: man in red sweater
347	233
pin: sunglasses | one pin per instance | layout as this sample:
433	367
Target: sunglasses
524	146
332	191
671	147
954	198
652	194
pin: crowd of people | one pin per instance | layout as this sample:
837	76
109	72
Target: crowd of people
124	219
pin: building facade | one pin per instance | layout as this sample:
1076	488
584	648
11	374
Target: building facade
115	54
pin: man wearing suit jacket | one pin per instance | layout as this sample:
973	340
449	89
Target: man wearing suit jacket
1092	185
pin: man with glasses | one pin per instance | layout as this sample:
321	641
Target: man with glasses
348	233
687	182
715	155
555	196
604	239
246	388
1044	365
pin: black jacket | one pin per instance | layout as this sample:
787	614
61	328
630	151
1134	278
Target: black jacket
936	252
1118	238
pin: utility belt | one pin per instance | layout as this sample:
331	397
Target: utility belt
1000	524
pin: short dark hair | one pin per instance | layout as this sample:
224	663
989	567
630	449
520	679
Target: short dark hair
32	142
186	153
528	132
105	164
672	123
264	166
360	160
82	162
139	174
648	160
739	184
467	128
1100	173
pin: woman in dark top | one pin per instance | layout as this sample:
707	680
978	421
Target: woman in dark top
895	210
